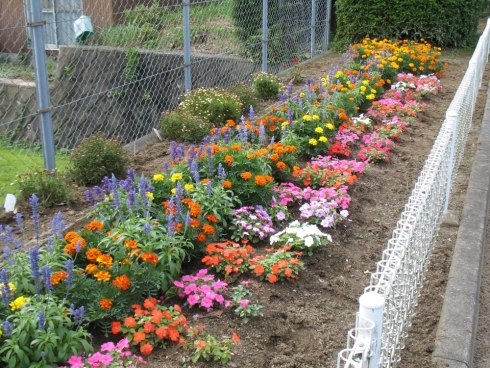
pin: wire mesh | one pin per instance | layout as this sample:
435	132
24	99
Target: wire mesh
115	66
400	274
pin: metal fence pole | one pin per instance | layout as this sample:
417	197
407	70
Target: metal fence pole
264	35
327	25
452	119
313	26
187	46
36	24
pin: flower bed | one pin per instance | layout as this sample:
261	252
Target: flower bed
145	229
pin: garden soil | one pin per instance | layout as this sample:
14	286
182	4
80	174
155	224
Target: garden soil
305	323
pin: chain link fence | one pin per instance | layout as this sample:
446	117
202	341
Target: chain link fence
400	273
113	66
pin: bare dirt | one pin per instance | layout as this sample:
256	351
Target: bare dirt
305	323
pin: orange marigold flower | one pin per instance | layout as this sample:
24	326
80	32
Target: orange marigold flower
69	249
201	237
230	123
195	223
71	235
272	279
105	259
122	282
229	160
236	147
132	244
105	303
281	165
212	218
260	180
94	225
92	254
91	269
274	157
150	257
102	276
246	175
200	344
58	276
116	327
78	243
139	336
259	270
194	209
208	230
269	178
227	184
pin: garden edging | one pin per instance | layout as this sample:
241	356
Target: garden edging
456	333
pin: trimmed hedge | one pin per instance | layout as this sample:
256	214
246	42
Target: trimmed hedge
450	23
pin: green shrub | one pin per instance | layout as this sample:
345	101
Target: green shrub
97	157
246	95
181	126
267	86
442	23
153	15
50	187
214	105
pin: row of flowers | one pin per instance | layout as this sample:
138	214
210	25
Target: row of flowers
216	201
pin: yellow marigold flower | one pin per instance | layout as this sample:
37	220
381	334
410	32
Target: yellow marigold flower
330	126
315	117
19	303
176	176
365	82
363	88
339	74
91	268
284	125
373	91
313	141
150	195
189	187
158	177
319	129
323	139
370	97
307	118
302	94
103	276
173	191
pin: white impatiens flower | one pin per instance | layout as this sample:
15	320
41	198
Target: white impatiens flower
309	241
301	237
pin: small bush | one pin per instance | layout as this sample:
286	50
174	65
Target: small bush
246	95
181	126
214	105
141	15
97	157
51	187
267	86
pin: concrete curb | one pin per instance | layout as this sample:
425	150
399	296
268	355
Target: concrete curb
456	332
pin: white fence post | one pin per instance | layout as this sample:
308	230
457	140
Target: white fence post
371	307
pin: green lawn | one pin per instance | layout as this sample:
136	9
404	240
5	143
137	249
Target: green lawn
14	161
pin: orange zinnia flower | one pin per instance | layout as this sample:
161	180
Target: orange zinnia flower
92	254
246	175
146	349
227	184
139	336
103	276
122	282
161	332
173	334
148	327
95	225
105	303
288	272
150	257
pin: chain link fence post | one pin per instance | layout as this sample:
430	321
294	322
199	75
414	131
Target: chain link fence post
36	25
313	28
264	35
327	25
187	46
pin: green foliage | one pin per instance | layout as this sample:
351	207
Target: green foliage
208	347
267	86
241	302
33	345
214	105
181	126
50	187
130	72
443	23
97	157
246	95
141	15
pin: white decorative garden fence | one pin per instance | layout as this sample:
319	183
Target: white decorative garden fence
389	301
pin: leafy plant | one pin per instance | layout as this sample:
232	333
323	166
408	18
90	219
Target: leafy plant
246	95
208	347
240	300
97	157
267	86
130	72
228	257
51	187
181	126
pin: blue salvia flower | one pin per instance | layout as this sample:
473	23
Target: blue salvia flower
192	155
170	217
179	195
216	136
166	167
262	135
35	272
132	200
187	219
42	320
283	97
147	228
221	172
8	256
227	135
206	140
5	291
58	225
271	143
195	172
89	195
209	152
46	274
6	328
290	116
99	192
289	89
116	198
77	313
69	264
34	202
173	146
19	220
209	188
106	185
251	114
